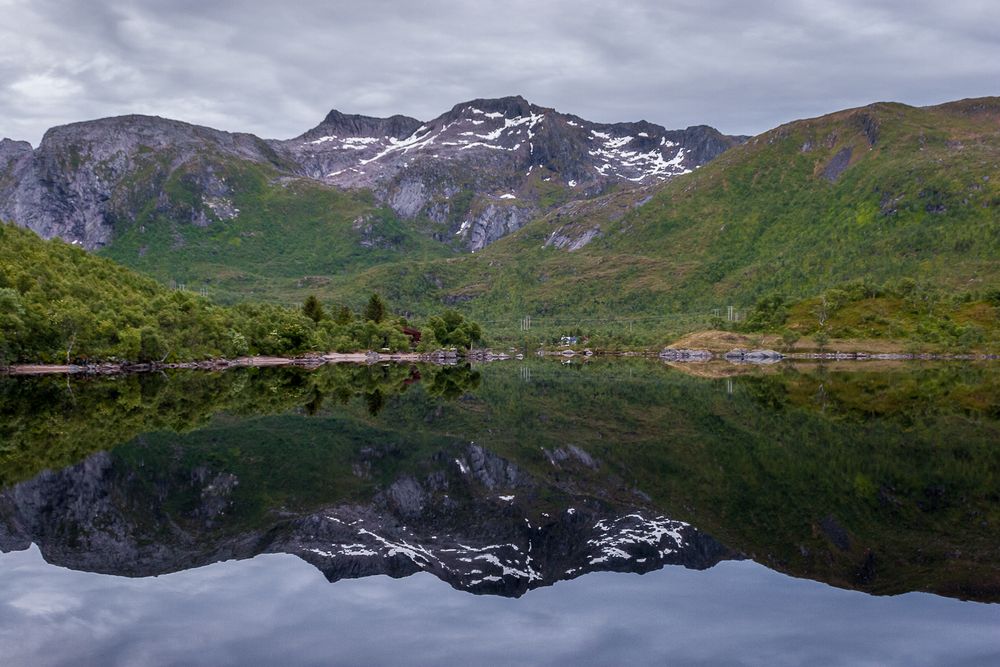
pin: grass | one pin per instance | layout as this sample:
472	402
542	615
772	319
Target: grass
290	236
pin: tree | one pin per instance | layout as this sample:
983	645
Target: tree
313	309
343	316
451	329
375	309
768	313
12	325
151	347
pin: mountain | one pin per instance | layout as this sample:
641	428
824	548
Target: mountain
476	542
568	219
494	164
477	172
884	192
87	179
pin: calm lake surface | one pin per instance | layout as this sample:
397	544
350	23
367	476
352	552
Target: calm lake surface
624	512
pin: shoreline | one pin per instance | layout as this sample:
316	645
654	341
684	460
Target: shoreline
312	360
308	361
694	357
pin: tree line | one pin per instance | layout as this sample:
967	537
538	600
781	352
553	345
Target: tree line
59	304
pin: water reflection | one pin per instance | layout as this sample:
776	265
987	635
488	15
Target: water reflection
505	478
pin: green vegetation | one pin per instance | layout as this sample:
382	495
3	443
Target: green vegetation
904	310
281	237
313	309
453	330
887	192
60	304
375	309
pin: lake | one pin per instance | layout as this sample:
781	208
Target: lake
607	512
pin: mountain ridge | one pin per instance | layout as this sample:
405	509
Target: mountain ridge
88	181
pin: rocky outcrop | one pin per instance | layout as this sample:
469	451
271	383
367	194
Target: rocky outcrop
837	165
85	178
492	222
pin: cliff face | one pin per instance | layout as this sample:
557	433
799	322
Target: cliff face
477	172
85	178
474	522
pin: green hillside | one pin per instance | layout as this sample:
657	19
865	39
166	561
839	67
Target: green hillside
289	235
884	192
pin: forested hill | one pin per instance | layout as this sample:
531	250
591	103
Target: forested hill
60	304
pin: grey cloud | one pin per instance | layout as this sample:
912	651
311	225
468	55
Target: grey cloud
275	69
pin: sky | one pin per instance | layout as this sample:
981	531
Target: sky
275	68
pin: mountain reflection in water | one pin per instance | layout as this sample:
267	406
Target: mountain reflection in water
499	481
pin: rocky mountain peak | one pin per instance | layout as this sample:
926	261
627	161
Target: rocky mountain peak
11	151
506	150
513	106
337	124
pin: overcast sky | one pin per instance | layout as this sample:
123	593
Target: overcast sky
276	67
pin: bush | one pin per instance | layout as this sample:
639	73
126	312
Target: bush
770	312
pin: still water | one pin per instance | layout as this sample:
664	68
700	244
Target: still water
536	513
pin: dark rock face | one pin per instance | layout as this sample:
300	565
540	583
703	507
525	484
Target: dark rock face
484	169
837	165
471	523
353	125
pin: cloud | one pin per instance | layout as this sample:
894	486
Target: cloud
275	69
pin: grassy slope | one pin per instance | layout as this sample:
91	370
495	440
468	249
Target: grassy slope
919	199
291	236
